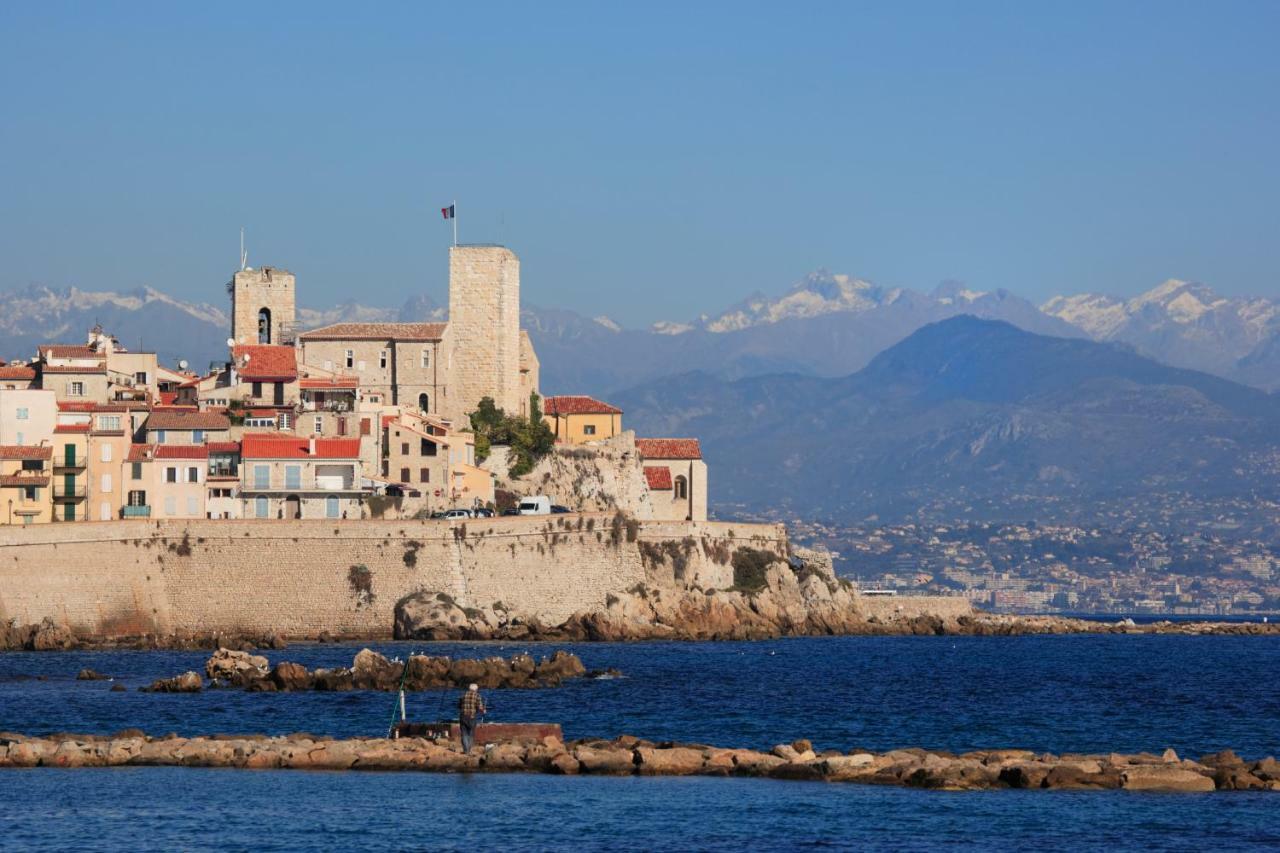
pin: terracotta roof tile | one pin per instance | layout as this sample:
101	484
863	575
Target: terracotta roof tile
60	368
17	371
181	451
257	446
266	361
669	448
223	446
68	351
24	480
137	453
174	419
25	451
322	383
377	332
570	405
658	477
60	428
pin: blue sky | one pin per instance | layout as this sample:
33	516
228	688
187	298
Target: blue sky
648	161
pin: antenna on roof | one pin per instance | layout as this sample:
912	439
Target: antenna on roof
244	256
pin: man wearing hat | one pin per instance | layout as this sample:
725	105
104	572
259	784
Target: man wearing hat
470	707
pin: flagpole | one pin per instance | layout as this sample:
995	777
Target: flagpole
455	223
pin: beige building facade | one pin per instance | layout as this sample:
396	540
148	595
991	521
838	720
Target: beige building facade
677	477
263	306
25	484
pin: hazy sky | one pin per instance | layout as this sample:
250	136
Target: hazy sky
648	161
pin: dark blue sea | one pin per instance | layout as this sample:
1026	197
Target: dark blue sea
1058	694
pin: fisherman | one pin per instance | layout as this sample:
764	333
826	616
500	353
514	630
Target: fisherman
470	707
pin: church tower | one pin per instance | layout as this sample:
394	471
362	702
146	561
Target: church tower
262	306
484	329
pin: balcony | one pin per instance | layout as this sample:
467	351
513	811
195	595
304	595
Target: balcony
62	491
67	462
137	512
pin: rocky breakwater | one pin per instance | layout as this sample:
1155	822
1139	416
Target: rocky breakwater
50	636
373	671
627	756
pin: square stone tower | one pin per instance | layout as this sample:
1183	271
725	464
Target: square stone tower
262	306
484	330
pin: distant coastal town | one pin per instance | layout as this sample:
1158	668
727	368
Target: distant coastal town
346	421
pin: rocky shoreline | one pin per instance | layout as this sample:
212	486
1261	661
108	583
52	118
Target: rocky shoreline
229	668
627	756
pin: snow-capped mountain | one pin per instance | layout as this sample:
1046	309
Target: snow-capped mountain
1182	323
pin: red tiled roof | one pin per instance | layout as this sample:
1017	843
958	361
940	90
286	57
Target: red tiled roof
266	361
377	332
578	406
69	351
256	446
262	413
24	480
60	368
321	383
167	398
25	451
137	453
176	419
669	448
181	451
17	371
658	477
71	428
223	446
75	406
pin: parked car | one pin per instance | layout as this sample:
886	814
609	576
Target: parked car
557	509
457	513
535	505
482	512
515	510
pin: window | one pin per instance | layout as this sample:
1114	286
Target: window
140	377
32	465
20	439
681	488
328	365
104	511
342	426
255	390
197	436
260	507
293	476
351	358
331	507
404	448
588	429
424	476
375	398
109	423
105	453
426	358
160	435
105	484
137	497
171	475
193	506
261	477
30	493
22	413
135	471
404	475
366	426
382	359
427	447
424	402
171	506
193	475
319	430
264	326
75	389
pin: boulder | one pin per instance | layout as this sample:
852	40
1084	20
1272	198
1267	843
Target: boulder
559	666
1024	774
372	671
49	636
290	676
91	675
797	771
504	757
1078	775
676	761
611	760
1153	777
235	667
332	679
435	616
188	682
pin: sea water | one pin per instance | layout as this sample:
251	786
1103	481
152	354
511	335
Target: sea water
1059	694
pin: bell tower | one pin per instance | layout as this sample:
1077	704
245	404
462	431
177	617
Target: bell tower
262	306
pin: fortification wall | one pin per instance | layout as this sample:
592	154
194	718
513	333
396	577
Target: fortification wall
297	578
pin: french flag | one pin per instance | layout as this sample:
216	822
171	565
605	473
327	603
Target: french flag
447	212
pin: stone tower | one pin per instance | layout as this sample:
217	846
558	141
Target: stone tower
262	306
484	329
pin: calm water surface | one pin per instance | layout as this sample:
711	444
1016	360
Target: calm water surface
1124	693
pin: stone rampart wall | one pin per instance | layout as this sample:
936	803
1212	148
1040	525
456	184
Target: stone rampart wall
297	578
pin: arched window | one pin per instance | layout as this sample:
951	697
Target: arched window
681	488
424	402
260	507
264	326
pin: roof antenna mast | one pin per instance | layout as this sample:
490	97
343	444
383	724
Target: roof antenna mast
244	256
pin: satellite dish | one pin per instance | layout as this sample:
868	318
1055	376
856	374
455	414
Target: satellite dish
231	342
246	358
182	365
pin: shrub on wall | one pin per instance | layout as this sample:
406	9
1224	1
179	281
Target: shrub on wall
529	439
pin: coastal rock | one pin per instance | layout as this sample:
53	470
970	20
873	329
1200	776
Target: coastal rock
290	676
607	760
91	675
1164	778
677	761
235	667
50	636
188	682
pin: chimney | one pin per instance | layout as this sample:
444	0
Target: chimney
311	446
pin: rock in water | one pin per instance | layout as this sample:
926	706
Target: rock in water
235	667
188	682
91	675
48	636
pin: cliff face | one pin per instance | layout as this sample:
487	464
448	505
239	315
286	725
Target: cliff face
600	477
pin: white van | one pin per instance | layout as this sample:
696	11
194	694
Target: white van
535	505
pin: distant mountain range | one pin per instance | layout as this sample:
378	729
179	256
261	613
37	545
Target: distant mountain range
825	325
970	417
